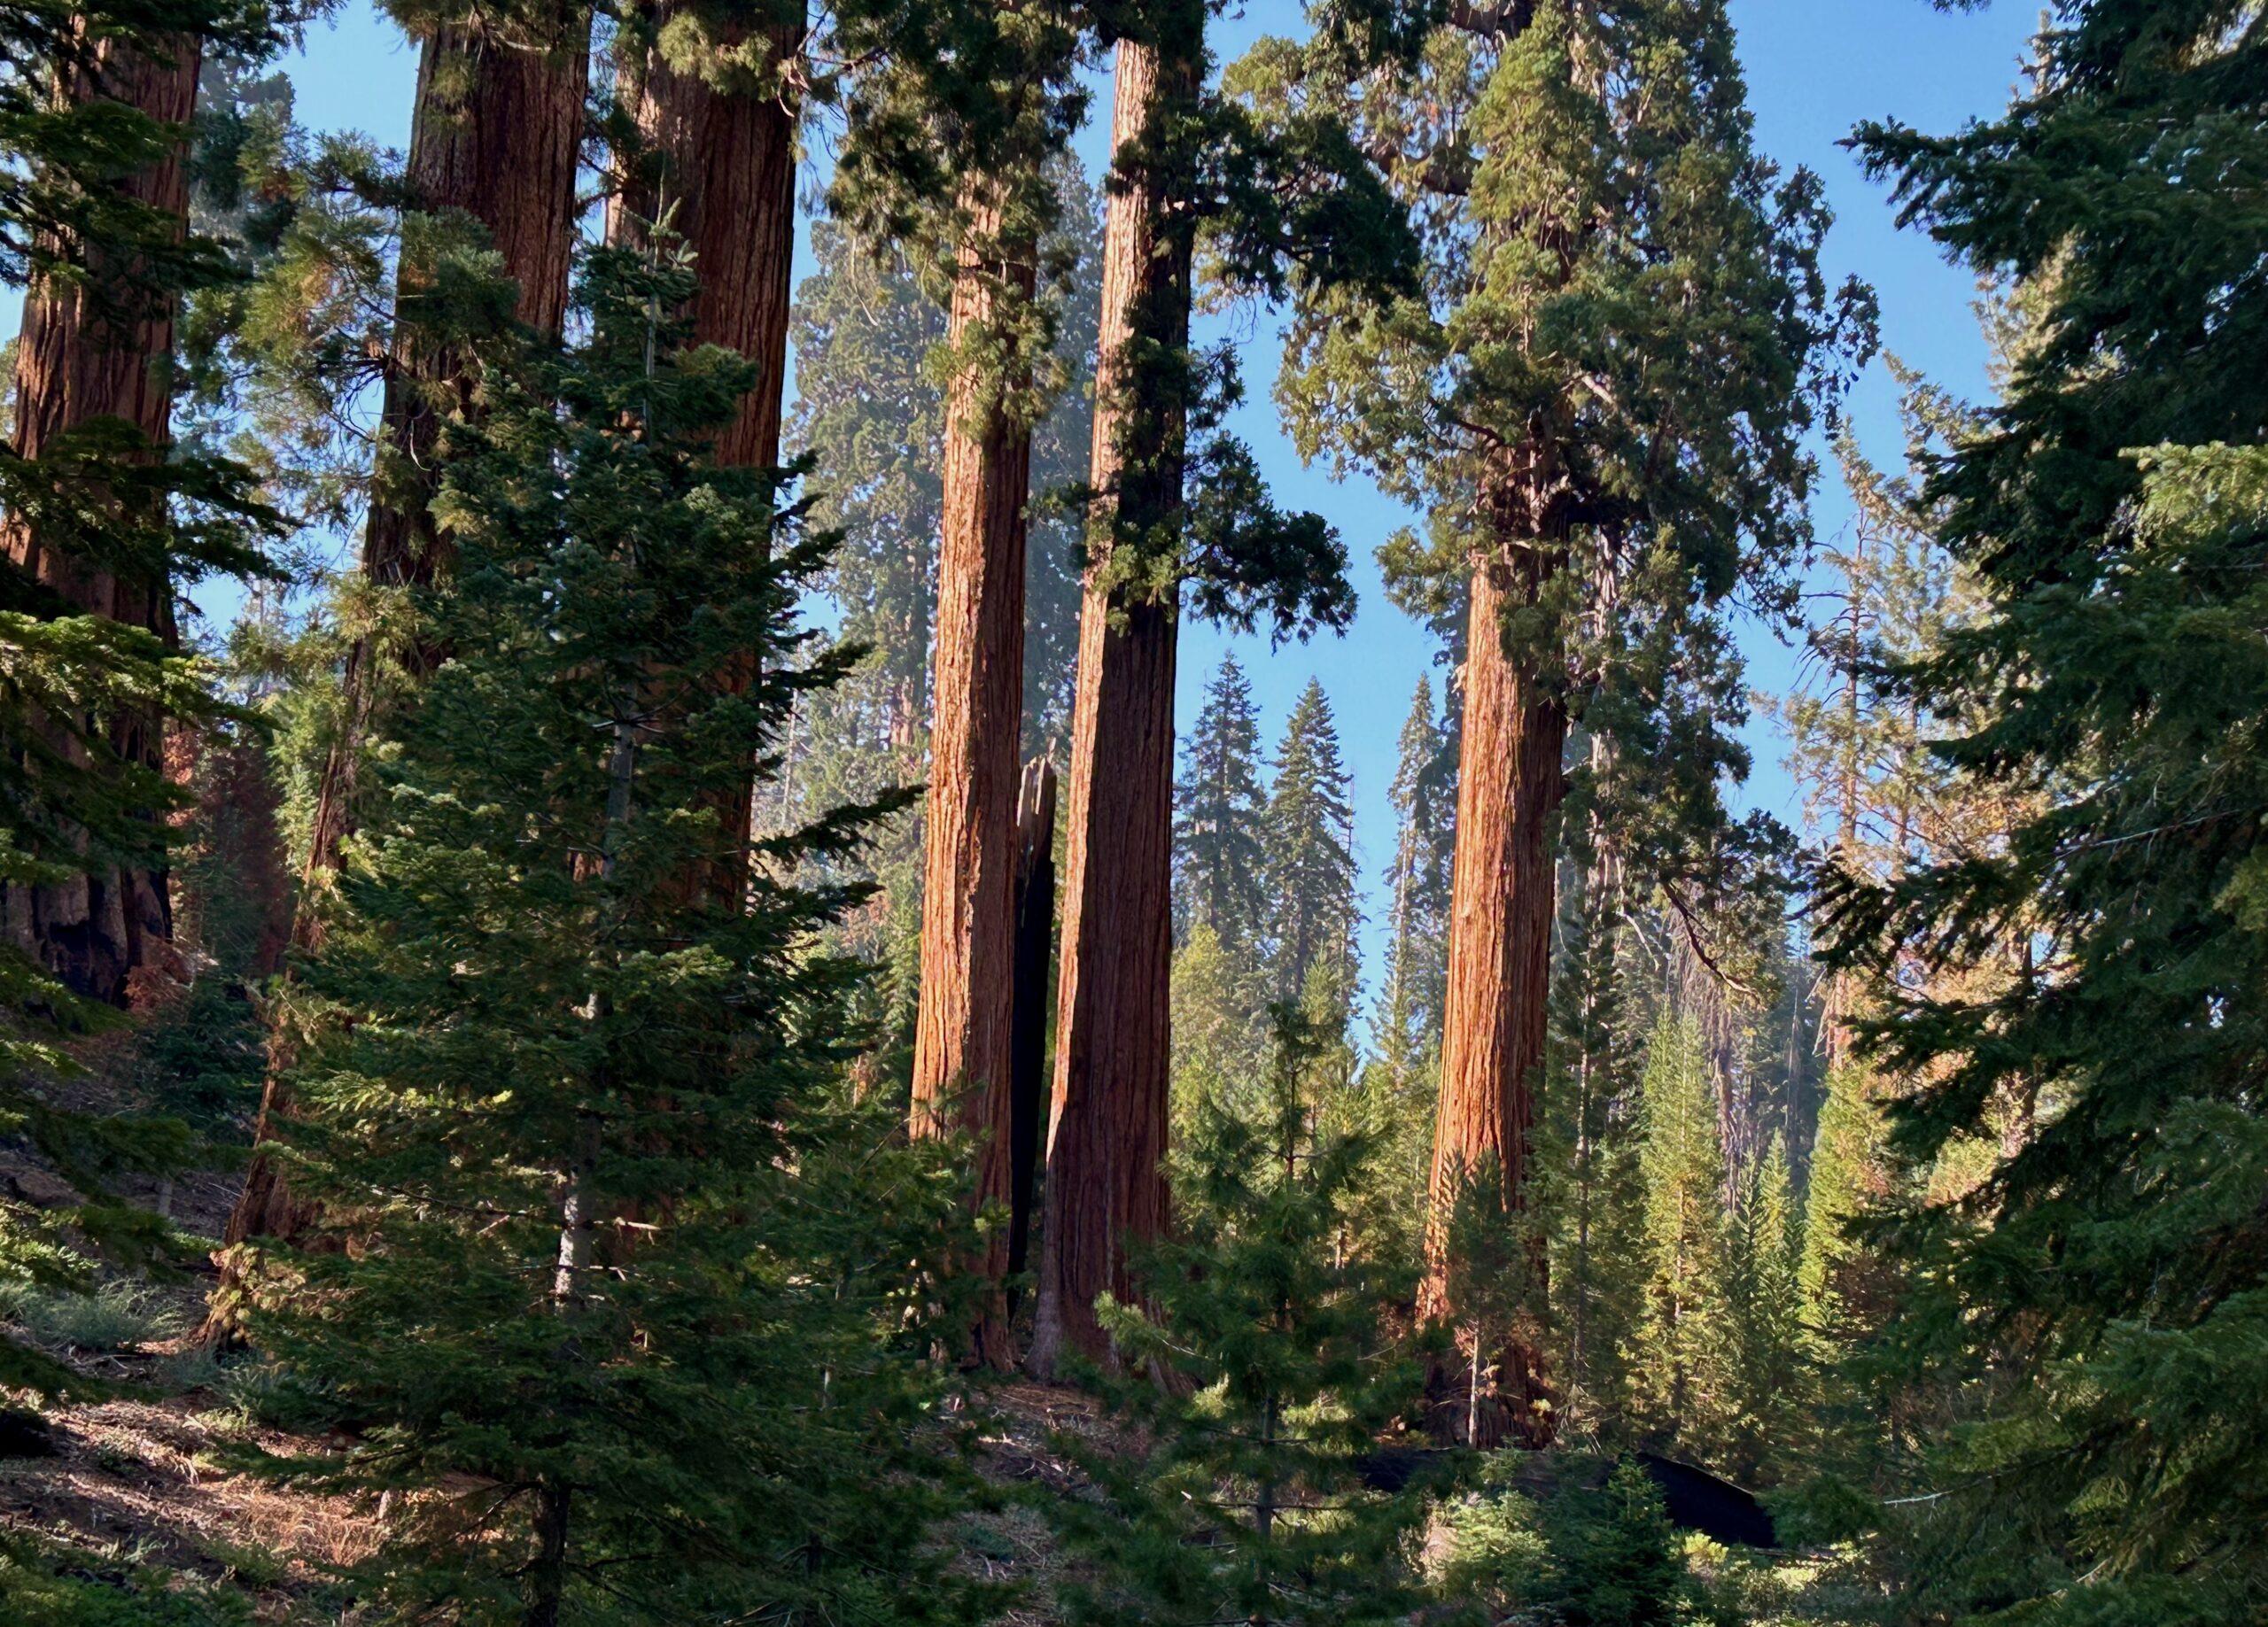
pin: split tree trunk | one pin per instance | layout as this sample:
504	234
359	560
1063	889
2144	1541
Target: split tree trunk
496	134
719	168
963	1037
1106	1181
1035	941
1509	782
76	363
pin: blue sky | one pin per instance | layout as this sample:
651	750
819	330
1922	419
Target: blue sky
1815	68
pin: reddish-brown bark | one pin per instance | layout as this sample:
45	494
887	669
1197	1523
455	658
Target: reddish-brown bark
1106	1181
76	361
1035	947
719	168
496	135
1502	899
963	1034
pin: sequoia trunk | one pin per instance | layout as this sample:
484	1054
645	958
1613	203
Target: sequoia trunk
1106	1181
77	361
496	134
963	1037
1509	782
719	166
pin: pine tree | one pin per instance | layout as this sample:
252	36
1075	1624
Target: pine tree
1309	853
1568	166
611	1313
1219	816
1275	1366
1682	1382
2110	507
1766	1381
1407	1034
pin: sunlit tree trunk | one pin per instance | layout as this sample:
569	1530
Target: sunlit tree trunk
1510	781
963	1034
718	172
1106	1182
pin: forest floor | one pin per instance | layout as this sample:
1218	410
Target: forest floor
143	1467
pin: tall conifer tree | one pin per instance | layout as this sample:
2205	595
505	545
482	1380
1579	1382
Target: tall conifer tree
1615	280
2111	506
1219	868
1309	849
1179	516
693	1413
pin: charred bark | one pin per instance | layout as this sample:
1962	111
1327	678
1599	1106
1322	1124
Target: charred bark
1035	941
1106	1179
87	351
963	1037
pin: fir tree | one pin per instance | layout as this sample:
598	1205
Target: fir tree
1219	819
1407	1034
613	1311
1593	1190
1275	1368
1682	1346
1309	847
2111	508
1766	1376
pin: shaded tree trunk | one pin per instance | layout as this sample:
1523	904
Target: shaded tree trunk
1035	941
496	135
1510	781
1106	1179
79	360
964	1043
719	168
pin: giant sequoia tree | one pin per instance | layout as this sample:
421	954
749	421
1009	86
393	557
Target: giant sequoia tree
96	223
2114	511
1179	513
974	195
1599	397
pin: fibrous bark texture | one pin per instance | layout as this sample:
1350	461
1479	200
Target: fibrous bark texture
964	1036
718	171
496	135
76	361
1510	781
1105	1181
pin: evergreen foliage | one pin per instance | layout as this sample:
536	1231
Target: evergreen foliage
1274	1365
2111	509
1407	1034
1222	818
1308	849
615	1315
1681	1370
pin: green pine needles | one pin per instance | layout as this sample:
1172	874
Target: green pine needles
617	1285
1275	1368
